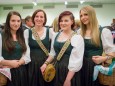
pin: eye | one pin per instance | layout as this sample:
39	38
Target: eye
85	14
13	20
61	20
41	17
36	16
19	21
80	15
66	20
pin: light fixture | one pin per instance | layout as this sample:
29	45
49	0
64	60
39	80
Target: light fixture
82	1
35	2
65	2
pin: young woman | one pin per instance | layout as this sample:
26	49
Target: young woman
71	61
38	56
14	50
96	40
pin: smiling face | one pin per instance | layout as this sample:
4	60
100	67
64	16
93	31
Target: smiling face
15	22
39	19
65	22
84	17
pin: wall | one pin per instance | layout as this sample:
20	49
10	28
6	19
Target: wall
105	14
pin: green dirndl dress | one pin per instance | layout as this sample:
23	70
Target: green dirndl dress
18	75
62	65
38	57
88	64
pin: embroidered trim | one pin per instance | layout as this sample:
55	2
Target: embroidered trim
39	41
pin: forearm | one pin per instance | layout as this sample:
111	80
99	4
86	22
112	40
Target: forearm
49	59
70	75
5	62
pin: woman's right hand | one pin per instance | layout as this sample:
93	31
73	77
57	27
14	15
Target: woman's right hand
99	59
43	67
14	64
10	64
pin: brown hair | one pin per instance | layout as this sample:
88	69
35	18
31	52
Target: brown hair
64	14
34	14
7	36
28	18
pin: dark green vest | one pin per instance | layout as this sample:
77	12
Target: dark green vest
15	54
91	49
34	46
58	46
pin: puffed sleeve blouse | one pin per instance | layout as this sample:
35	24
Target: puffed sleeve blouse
76	56
107	40
26	56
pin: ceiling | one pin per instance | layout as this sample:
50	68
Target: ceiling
6	2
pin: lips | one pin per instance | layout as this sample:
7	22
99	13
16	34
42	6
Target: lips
38	22
16	26
84	21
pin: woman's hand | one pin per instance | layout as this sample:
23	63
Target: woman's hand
43	67
14	64
67	83
99	59
21	62
9	64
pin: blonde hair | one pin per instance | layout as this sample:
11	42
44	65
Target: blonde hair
95	32
77	23
55	25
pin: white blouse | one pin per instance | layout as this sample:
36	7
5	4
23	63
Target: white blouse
25	56
76	56
107	40
51	32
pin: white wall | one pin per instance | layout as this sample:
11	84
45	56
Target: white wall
105	14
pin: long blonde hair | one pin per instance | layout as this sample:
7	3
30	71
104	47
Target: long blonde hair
95	32
55	25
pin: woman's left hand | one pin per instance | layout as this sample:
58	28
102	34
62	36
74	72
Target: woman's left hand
21	62
42	68
98	59
67	83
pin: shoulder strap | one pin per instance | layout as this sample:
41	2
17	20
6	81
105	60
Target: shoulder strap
65	46
39	41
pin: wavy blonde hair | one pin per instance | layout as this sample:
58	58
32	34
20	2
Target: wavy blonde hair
95	32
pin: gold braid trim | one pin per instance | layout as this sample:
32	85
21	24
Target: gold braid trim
39	41
65	46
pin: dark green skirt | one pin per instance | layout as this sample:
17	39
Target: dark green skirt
34	73
19	77
62	71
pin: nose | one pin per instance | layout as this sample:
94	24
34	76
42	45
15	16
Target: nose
39	18
16	23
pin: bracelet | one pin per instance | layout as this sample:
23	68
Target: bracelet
108	57
46	62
